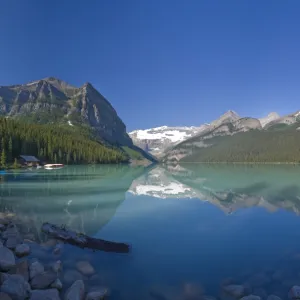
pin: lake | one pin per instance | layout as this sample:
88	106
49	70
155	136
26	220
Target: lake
192	228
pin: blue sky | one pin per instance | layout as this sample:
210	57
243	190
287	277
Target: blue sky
160	62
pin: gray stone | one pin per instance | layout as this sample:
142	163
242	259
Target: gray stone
22	250
99	294
12	242
23	269
3	277
7	259
76	291
58	285
4	296
273	297
72	275
35	268
2	227
43	280
58	249
234	290
85	268
294	292
251	297
50	294
16	287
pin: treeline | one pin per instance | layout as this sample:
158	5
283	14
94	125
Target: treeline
52	143
252	146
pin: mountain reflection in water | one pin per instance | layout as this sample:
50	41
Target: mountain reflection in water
192	228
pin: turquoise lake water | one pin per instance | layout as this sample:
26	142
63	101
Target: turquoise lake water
190	227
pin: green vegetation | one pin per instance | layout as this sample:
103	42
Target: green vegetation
279	144
132	153
60	143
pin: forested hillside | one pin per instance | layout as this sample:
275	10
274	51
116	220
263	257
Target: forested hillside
54	143
281	143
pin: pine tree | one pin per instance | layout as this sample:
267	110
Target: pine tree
3	159
10	149
15	165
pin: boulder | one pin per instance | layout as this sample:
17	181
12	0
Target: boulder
85	268
76	291
235	290
98	294
22	250
35	268
43	280
7	259
50	294
16	287
4	296
22	269
72	275
57	284
294	292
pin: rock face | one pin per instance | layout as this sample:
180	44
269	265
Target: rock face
51	99
269	118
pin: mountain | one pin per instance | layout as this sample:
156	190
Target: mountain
51	100
271	117
157	140
243	140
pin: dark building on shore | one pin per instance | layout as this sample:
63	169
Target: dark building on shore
28	160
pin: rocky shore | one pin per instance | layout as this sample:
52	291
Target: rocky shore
24	275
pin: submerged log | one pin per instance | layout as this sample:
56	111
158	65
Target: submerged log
82	240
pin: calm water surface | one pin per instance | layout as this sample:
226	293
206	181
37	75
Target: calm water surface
190	227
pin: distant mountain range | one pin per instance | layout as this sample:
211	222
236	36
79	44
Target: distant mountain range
159	139
230	138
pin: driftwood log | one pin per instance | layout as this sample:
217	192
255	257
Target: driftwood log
82	240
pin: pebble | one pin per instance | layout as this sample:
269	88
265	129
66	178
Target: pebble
12	242
35	268
16	287
76	291
23	269
50	294
22	250
43	280
7	259
85	268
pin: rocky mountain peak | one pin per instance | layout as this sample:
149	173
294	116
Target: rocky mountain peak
272	116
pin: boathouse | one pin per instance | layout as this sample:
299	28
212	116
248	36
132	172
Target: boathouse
28	160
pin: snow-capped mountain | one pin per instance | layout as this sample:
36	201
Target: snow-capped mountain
269	118
156	140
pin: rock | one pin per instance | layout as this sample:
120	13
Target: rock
12	242
95	279
4	296
76	291
98	294
22	250
205	297
57	266
43	280
85	268
3	277
251	297
235	290
72	275
58	285
35	268
49	243
50	294
11	231
273	297
16	287
23	269
294	292
2	228
7	259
